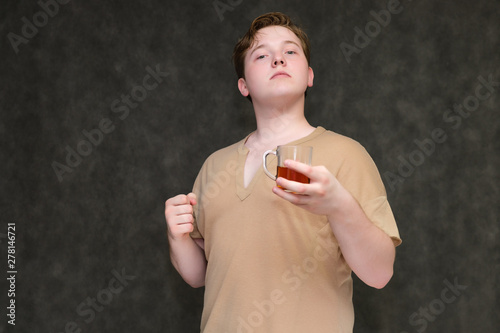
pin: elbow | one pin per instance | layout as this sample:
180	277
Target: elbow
381	280
195	283
384	272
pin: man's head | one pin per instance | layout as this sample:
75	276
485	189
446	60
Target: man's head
263	21
257	37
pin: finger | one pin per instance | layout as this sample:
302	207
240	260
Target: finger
180	199
185	219
303	168
293	186
186	228
182	229
183	209
192	198
178	205
296	199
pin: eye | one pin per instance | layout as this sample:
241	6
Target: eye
290	52
261	57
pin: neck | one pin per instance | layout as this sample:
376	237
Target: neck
278	124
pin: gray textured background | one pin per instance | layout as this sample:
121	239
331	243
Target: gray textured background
106	215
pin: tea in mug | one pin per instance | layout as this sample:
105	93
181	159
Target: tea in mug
301	154
292	175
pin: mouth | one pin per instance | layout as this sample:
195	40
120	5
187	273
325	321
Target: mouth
279	74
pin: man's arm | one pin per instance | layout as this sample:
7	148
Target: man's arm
368	250
187	255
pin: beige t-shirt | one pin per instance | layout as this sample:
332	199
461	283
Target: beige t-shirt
272	266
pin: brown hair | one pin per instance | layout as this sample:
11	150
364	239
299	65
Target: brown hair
263	21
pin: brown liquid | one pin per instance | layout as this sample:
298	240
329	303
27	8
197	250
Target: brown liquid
292	175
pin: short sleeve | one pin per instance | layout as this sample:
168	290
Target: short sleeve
360	176
380	213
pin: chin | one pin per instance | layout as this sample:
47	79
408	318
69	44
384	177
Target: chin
284	98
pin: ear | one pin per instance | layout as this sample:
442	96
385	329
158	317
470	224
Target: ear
310	78
242	86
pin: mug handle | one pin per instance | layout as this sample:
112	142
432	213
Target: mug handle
264	163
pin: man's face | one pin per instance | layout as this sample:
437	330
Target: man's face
275	66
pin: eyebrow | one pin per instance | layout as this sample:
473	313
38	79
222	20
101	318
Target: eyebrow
265	45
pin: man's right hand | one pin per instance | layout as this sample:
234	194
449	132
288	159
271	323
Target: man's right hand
179	215
187	254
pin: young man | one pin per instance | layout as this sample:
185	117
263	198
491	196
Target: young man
274	260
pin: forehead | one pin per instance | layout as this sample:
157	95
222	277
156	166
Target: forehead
274	34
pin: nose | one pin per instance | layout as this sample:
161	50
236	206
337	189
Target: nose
278	60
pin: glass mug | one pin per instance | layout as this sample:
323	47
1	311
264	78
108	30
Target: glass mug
297	153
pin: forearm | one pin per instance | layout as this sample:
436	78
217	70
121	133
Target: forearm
189	260
368	250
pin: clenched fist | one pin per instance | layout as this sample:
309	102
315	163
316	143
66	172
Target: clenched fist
179	215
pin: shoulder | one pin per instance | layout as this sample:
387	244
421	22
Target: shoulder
223	158
342	155
224	153
353	166
220	163
340	144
